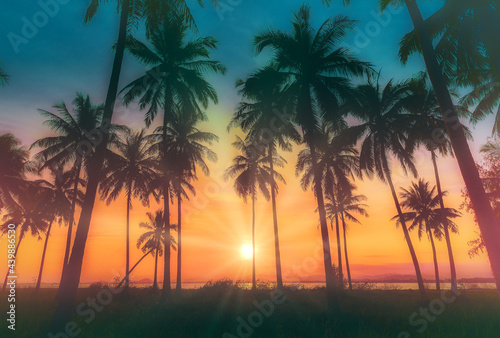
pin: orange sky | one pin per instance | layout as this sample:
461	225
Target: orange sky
217	224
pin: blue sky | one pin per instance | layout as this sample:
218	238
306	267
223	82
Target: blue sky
66	56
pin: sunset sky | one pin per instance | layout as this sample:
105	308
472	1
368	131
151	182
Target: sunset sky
65	57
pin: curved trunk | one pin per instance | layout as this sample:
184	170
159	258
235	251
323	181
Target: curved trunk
454	281
140	260
486	219
279	278
434	256
345	254
178	286
420	281
155	280
254	282
69	236
8	269
127	254
39	279
71	276
339	252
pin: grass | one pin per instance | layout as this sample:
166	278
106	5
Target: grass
217	310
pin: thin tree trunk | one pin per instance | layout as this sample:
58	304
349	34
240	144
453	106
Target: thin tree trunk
339	252
155	281
486	219
71	276
166	255
434	256
178	286
454	281
8	269
345	254
73	210
254	282
279	278
131	270
39	280
127	259
420	281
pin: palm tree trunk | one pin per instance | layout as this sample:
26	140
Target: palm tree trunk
327	256
71	277
39	280
345	254
339	252
127	259
178	286
8	269
434	256
279	278
254	282
420	281
454	281
140	260
78	170
155	281
486	219
166	255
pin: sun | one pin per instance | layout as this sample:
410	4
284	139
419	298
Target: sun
246	251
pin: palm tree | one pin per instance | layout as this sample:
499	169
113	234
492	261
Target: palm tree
153	239
429	130
31	216
345	206
487	221
78	134
264	90
131	169
13	168
251	172
317	69
129	14
58	197
338	162
385	129
174	81
426	215
4	78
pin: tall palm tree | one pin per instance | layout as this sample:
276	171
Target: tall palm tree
251	172
175	80
318	70
129	14
263	92
338	163
487	221
131	169
31	216
58	195
153	239
13	168
384	130
345	206
426	215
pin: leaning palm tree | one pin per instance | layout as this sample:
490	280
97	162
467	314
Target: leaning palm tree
175	80
426	215
338	164
58	195
257	115
13	168
318	70
384	130
130	12
131	169
345	205
31	216
152	240
251	172
487	221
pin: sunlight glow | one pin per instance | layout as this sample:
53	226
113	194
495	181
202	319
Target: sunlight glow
246	251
